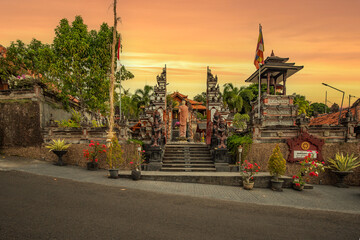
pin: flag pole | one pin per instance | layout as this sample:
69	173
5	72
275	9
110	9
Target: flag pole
259	92
119	70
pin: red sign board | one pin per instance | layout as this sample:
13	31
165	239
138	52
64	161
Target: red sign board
304	144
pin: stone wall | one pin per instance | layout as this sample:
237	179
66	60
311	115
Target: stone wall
260	153
74	156
20	123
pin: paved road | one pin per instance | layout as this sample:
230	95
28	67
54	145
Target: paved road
40	207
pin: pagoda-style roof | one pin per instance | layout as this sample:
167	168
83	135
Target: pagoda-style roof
194	104
276	66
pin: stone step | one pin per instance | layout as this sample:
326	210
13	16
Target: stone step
190	155
183	161
189	169
190	165
187	159
190	147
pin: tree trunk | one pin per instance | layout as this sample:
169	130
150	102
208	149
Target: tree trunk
112	78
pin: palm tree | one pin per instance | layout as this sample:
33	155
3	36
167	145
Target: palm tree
232	98
303	104
143	96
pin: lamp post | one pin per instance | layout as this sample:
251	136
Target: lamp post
350	96
342	101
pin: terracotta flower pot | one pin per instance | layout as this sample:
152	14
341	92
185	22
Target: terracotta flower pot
248	185
298	188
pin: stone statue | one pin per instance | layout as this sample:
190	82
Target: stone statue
156	130
183	110
222	134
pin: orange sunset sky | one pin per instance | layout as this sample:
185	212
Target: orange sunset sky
188	36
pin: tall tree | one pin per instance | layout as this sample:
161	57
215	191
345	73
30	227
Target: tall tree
318	108
334	108
232	98
201	98
142	96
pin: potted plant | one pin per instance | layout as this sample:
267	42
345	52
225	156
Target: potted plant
248	172
138	158
92	155
309	168
342	165
59	148
114	157
277	167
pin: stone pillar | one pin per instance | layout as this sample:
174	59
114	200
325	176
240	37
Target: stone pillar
284	79
268	83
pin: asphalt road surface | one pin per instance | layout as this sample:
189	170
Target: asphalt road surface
38	207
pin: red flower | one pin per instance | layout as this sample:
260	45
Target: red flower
294	177
323	162
96	160
104	146
92	141
256	170
131	162
297	184
97	143
91	144
104	151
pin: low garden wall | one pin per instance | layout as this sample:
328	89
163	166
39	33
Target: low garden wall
260	153
74	156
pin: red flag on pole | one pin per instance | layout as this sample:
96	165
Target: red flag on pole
118	53
259	55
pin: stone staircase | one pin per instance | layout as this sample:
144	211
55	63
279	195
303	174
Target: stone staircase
187	157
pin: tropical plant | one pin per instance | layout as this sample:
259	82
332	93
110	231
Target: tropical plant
303	104
57	145
74	122
142	96
114	154
201	98
240	120
232	98
249	170
234	141
309	168
343	163
277	163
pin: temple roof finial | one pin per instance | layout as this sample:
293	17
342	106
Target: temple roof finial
272	53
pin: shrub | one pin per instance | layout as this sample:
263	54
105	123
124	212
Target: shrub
277	163
234	141
114	154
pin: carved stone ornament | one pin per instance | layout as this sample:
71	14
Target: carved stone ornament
300	146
